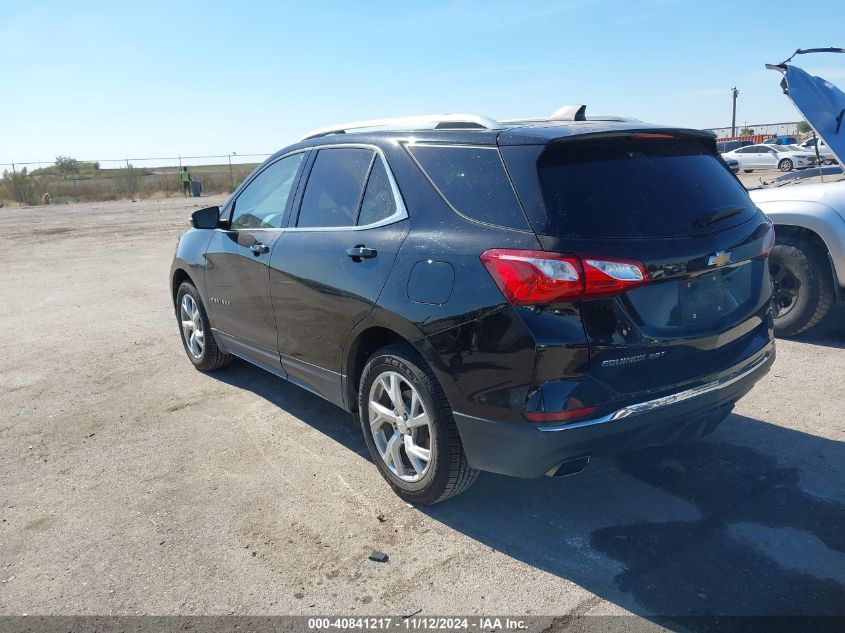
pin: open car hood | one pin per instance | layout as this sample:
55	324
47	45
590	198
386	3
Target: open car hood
821	103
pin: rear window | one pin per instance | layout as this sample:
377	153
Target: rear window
639	188
473	181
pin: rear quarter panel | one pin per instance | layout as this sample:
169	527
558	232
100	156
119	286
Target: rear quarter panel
480	351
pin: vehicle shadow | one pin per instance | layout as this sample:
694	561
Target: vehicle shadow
831	336
318	413
830	332
749	521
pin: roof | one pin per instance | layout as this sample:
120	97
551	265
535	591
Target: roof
530	134
567	121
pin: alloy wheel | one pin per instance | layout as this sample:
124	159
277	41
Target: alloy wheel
785	286
400	425
192	330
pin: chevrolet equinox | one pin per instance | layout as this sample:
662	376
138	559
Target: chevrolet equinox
515	297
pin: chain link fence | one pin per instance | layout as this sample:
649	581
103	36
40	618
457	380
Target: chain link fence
788	128
70	180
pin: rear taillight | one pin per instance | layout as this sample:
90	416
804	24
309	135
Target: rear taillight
768	240
537	277
610	276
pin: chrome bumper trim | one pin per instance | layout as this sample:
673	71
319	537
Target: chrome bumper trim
650	405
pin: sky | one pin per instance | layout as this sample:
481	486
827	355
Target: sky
102	80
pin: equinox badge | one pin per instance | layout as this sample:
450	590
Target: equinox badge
719	259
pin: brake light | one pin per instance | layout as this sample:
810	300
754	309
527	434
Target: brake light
651	136
528	277
768	240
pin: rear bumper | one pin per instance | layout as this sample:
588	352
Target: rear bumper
528	450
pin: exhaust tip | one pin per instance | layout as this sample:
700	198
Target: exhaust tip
570	467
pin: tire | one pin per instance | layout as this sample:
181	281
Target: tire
785	165
802	284
447	472
747	171
210	357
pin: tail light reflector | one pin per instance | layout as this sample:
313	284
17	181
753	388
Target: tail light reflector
557	416
529	277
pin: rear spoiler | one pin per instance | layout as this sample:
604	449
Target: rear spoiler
597	131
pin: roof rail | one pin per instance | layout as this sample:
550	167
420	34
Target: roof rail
575	112
429	121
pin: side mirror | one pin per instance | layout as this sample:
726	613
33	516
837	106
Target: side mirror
208	218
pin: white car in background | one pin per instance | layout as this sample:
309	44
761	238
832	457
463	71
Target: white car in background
783	157
825	153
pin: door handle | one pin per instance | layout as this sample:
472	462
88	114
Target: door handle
258	248
357	253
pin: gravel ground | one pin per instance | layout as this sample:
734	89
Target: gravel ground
133	484
755	177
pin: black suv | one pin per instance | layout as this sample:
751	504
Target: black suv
512	297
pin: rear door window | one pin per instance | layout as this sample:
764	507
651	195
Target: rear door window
335	187
379	202
639	188
473	181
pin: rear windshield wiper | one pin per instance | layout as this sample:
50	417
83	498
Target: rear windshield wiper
718	216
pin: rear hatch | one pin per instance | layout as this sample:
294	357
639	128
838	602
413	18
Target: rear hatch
667	201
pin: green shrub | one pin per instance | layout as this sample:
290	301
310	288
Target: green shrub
21	186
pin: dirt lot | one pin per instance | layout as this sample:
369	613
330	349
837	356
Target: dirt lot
753	179
133	484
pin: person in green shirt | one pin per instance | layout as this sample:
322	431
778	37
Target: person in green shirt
185	175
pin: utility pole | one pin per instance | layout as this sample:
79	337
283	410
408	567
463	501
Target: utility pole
15	185
734	93
130	180
231	175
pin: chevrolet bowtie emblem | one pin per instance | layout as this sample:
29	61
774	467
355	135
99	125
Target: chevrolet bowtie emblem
719	259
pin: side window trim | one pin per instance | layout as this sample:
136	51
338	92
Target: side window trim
296	199
233	201
364	188
400	214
